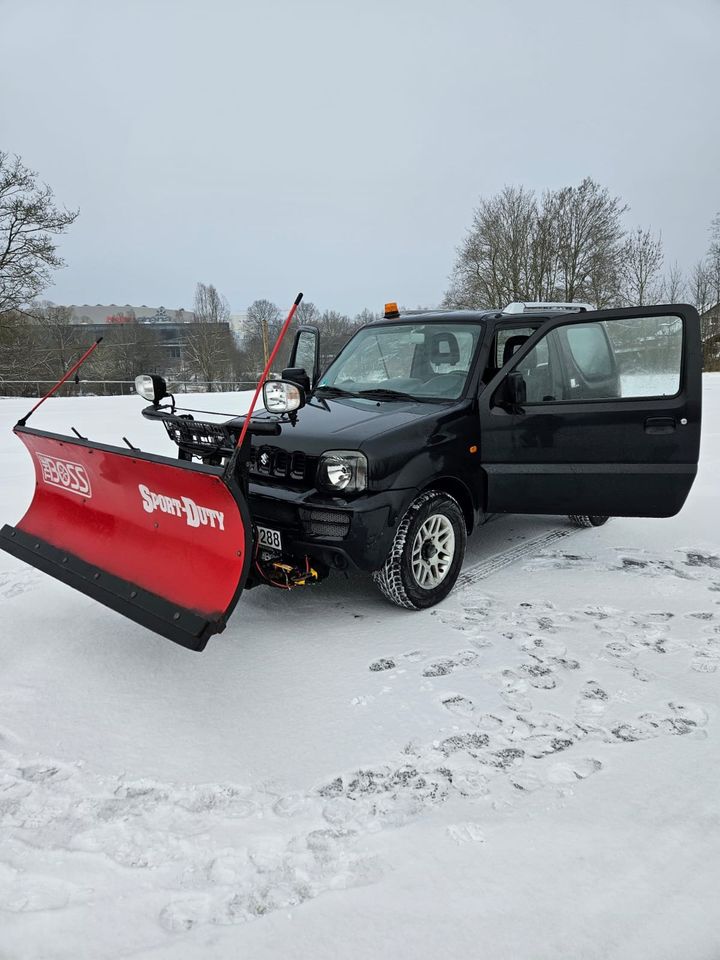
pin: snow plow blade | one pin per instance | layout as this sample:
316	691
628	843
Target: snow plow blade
167	543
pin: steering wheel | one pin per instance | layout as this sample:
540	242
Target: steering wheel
443	380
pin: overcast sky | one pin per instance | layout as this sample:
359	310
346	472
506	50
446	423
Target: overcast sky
339	148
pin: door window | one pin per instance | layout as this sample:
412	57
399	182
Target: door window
604	360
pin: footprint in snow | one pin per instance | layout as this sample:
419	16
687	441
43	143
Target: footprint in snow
516	701
579	769
591	703
699	558
14	583
545	644
384	663
684	719
471	743
620	649
23	893
459	705
650	566
467	832
440	668
540	675
446	665
705	662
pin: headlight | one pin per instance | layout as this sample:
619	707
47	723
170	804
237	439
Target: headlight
342	470
151	387
282	396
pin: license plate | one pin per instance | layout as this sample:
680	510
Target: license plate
270	539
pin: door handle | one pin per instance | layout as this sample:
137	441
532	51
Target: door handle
660	425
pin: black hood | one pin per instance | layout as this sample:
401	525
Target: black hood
350	423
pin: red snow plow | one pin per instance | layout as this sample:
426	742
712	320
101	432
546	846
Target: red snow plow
168	543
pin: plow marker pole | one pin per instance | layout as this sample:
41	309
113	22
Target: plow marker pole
268	365
71	371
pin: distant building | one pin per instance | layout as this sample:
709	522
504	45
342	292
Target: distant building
238	327
127	313
171	328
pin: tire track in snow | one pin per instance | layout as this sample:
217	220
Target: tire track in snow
520	551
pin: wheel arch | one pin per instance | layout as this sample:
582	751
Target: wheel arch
460	492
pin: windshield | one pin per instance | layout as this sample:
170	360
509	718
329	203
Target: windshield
425	361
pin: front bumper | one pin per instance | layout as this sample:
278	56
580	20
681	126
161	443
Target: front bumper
340	533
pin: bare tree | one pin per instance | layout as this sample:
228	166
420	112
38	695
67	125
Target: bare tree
208	342
129	349
19	355
590	234
700	286
29	223
335	330
545	250
492	261
264	324
641	266
365	316
564	247
57	338
713	263
306	313
673	286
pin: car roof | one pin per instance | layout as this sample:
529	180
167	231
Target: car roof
437	316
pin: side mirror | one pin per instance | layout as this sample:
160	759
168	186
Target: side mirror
306	353
151	387
281	396
515	389
297	375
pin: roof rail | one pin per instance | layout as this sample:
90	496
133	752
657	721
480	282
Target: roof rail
519	306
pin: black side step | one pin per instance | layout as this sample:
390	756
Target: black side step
180	625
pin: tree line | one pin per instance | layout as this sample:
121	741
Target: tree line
571	244
40	342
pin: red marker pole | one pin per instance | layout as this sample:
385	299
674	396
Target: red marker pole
71	371
268	365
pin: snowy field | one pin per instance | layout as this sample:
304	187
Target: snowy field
529	771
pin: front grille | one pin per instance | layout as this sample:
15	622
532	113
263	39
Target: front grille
325	523
272	462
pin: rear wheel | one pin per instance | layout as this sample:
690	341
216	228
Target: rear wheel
426	554
587	521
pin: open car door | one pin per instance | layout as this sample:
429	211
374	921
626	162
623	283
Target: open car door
167	543
597	413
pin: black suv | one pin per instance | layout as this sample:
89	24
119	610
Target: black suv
428	423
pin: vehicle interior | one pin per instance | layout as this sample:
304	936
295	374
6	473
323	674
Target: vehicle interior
423	361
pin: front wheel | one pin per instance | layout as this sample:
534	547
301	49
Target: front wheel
426	554
587	521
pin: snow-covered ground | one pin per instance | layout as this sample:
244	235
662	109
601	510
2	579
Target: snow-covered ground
530	770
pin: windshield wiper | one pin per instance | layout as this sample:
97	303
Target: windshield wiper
383	394
335	391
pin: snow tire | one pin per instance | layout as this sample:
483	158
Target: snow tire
584	521
395	579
